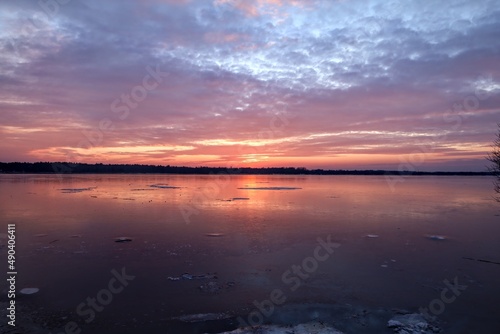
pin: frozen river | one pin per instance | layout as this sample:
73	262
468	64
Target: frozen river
196	254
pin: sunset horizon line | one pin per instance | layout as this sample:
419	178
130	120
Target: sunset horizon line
59	167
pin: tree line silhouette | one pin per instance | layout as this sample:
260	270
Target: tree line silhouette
99	168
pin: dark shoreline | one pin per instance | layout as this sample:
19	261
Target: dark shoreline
83	168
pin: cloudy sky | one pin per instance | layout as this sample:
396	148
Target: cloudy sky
320	84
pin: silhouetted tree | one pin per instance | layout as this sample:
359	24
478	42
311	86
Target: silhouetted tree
494	157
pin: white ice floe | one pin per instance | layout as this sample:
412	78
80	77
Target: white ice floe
372	235
309	328
215	235
436	237
413	323
29	291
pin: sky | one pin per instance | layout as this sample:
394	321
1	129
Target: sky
408	85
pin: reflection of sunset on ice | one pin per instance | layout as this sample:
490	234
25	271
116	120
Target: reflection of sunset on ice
278	252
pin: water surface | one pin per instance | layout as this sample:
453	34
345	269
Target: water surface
397	248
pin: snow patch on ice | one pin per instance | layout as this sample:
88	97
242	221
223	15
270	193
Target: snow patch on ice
413	323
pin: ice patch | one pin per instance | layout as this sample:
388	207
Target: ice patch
202	317
436	237
215	235
411	324
29	291
187	276
123	239
270	188
75	190
309	328
235	199
163	186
